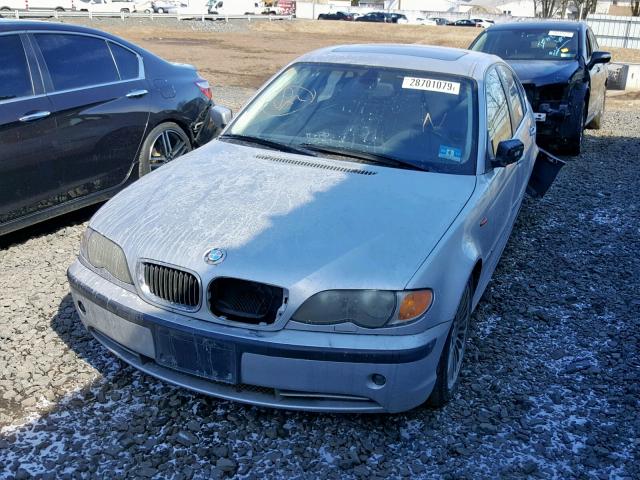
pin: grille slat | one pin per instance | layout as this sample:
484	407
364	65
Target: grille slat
172	285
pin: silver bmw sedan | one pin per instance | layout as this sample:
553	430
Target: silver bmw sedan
326	251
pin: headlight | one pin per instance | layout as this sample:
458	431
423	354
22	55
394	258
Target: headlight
102	253
367	308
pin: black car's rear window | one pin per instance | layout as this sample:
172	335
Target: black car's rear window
529	44
76	61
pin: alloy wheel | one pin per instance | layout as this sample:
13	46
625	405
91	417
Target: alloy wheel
457	343
167	146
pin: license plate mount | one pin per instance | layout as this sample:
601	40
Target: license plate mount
196	355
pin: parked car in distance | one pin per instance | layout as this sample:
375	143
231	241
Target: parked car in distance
84	113
482	22
440	20
327	250
398	18
563	71
336	16
378	17
463	23
165	6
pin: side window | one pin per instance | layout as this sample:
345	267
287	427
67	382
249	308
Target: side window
513	96
126	60
589	46
498	120
76	61
14	73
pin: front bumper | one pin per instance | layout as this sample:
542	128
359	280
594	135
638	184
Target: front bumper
298	370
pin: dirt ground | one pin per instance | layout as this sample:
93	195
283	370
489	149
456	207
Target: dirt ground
248	56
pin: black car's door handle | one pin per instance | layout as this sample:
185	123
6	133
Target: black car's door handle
30	117
137	93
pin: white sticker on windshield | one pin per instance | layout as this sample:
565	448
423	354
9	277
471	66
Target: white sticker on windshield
432	85
559	33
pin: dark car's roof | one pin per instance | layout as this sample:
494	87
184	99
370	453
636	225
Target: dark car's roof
555	24
22	25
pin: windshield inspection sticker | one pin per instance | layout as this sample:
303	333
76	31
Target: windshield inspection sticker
559	33
450	153
432	85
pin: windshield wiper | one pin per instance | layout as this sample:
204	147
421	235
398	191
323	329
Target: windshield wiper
376	158
283	147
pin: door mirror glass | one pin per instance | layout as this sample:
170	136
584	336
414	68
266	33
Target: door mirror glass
599	57
509	151
221	116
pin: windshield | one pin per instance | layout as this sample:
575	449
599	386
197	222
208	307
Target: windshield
538	44
423	119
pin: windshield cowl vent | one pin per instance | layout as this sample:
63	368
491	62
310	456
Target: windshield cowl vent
322	166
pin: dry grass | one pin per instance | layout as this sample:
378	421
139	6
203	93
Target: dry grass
248	57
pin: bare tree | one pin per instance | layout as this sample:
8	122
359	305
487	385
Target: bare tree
635	8
585	7
545	8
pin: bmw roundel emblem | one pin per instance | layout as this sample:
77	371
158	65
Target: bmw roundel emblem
215	256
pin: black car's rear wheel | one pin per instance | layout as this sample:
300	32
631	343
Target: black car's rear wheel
450	363
164	143
596	122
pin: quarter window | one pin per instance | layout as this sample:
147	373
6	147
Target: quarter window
126	60
15	79
76	61
513	96
498	120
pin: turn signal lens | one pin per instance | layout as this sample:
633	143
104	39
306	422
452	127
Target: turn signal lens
415	304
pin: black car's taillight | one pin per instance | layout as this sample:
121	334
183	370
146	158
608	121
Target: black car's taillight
204	87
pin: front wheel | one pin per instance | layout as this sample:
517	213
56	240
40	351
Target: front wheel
161	10
573	143
448	371
165	143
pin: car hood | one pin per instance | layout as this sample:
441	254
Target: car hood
290	220
544	72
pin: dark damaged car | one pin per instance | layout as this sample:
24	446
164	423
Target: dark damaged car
563	72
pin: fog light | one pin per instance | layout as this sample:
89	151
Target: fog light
378	379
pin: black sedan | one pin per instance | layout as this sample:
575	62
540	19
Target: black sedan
336	16
378	17
464	23
83	114
563	73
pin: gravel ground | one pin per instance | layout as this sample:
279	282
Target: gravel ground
550	387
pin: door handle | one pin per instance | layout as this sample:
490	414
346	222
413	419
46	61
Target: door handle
137	93
532	130
30	117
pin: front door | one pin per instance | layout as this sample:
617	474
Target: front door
29	181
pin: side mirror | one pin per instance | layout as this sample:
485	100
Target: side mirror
221	116
599	57
509	151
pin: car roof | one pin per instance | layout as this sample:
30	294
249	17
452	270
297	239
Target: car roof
555	24
453	61
35	25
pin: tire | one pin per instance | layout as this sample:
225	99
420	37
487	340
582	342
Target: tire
153	153
596	122
59	9
573	144
124	10
448	373
161	10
